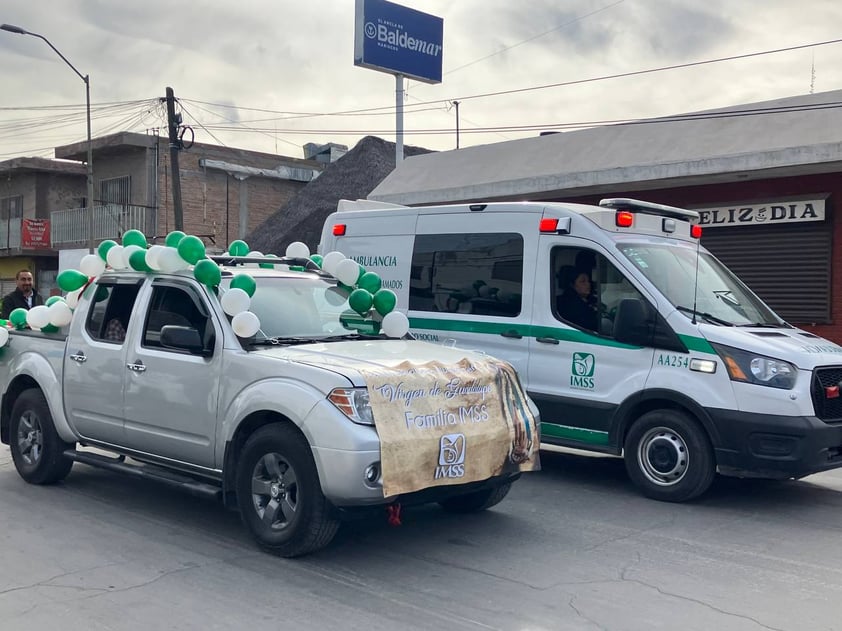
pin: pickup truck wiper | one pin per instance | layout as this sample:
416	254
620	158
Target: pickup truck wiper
705	315
285	341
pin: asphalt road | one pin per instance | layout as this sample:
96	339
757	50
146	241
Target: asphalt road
572	547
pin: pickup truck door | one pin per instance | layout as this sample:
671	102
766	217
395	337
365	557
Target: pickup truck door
170	395
95	361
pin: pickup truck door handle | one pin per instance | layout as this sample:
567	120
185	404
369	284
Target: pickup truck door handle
137	366
546	340
79	357
512	333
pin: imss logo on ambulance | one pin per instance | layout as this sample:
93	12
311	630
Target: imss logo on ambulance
582	371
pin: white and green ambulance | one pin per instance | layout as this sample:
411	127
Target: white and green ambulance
666	358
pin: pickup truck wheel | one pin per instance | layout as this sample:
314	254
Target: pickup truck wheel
279	494
476	501
669	457
37	449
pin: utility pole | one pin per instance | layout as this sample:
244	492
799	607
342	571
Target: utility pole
174	120
456	105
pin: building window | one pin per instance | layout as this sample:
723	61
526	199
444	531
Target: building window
480	274
116	190
11	207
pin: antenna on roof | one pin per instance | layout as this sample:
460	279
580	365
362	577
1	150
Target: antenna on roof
813	74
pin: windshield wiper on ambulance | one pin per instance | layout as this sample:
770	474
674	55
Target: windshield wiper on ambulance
705	315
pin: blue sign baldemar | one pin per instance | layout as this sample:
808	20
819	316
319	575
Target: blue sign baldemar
398	40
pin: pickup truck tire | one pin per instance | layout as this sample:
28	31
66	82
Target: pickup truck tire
668	456
476	501
37	449
279	495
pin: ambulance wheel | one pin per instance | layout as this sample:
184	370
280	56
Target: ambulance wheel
37	449
476	501
668	456
279	495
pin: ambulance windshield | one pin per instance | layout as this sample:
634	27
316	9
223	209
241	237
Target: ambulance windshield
719	297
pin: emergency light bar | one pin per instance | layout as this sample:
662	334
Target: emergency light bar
648	208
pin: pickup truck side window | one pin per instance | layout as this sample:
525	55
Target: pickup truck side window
175	306
110	312
467	273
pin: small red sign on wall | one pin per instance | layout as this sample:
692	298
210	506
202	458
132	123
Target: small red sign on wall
35	233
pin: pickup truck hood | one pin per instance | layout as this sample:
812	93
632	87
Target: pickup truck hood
805	350
345	357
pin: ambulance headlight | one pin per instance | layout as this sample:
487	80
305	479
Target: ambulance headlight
353	403
757	369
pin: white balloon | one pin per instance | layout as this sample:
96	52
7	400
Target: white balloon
170	260
115	257
152	255
4	335
245	324
72	298
235	301
331	260
298	250
255	254
395	324
60	313
92	265
38	317
347	272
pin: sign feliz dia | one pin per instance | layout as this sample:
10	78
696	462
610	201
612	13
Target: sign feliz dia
764	213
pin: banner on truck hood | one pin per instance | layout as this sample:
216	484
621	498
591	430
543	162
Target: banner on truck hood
443	424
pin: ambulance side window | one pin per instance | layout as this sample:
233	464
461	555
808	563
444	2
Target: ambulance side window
480	274
588	291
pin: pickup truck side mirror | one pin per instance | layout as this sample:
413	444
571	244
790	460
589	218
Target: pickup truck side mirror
185	338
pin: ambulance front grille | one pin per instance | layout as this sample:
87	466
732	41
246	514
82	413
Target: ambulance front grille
826	390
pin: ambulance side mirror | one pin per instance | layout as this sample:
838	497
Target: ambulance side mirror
631	325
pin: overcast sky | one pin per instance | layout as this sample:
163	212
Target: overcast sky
290	57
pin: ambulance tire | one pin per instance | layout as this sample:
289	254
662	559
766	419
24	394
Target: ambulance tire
477	501
279	494
668	456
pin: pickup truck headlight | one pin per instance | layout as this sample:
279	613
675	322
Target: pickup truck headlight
757	369
353	403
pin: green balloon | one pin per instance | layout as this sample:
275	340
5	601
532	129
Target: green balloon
174	238
360	275
318	259
370	281
138	261
268	265
244	282
191	249
360	301
134	237
71	280
103	248
53	299
18	317
50	328
207	272
238	248
385	301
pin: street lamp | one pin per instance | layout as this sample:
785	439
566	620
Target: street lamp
11	28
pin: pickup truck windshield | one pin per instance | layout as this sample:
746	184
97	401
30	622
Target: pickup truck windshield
300	310
719	297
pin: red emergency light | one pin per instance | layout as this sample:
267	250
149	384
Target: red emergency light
696	231
624	219
338	229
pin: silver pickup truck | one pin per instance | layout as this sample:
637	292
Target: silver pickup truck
278	425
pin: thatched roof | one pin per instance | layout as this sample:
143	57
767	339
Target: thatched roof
353	176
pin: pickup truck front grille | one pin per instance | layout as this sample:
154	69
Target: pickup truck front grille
826	391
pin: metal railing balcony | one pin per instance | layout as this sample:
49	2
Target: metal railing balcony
70	227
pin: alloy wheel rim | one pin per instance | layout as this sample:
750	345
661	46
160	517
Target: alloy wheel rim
30	438
274	491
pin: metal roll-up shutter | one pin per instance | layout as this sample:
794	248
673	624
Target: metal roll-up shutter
787	266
